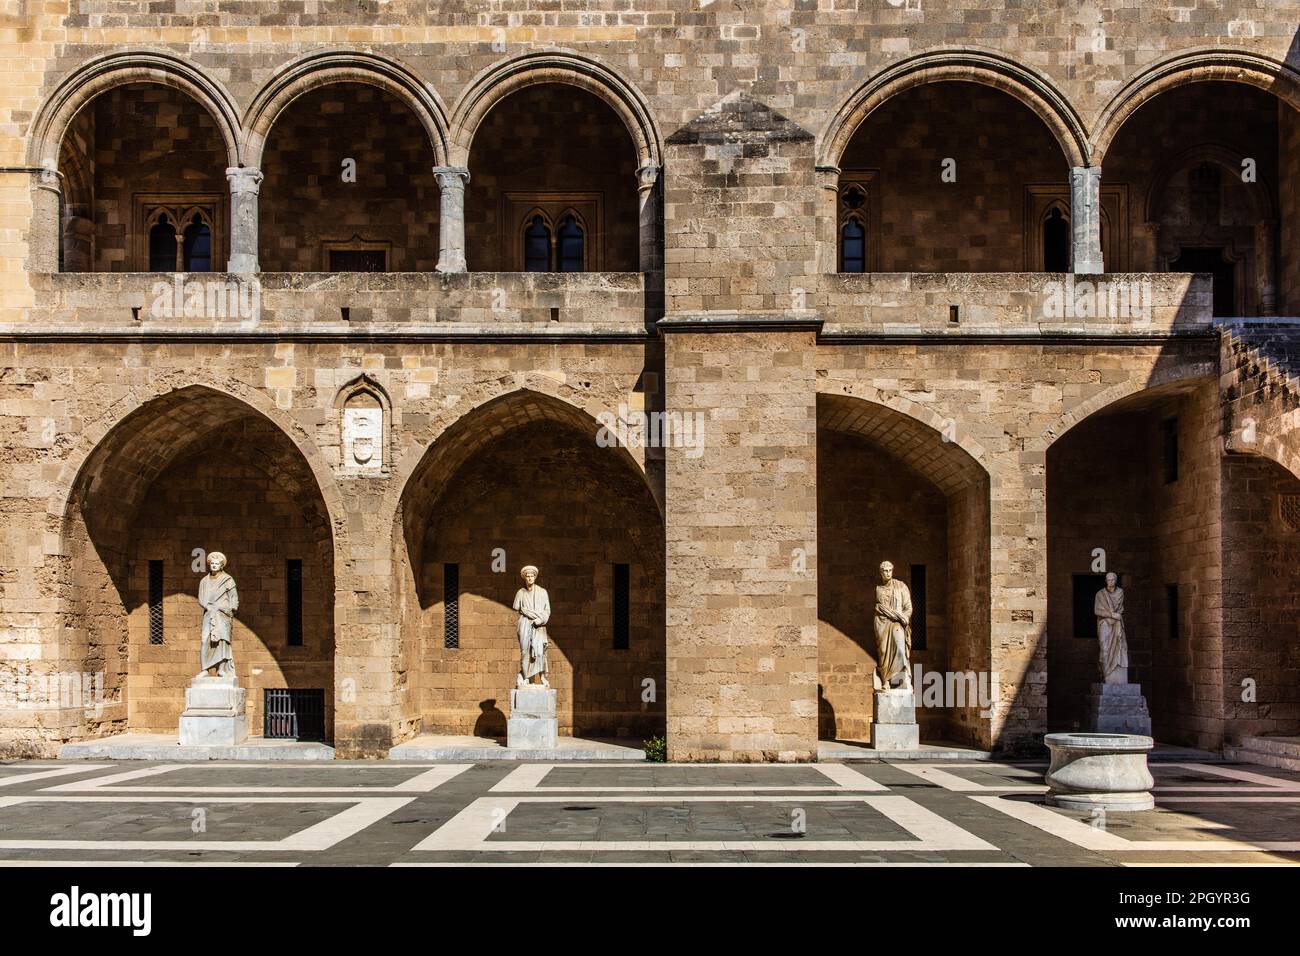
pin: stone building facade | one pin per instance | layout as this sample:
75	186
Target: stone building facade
357	295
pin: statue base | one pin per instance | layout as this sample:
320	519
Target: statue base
1118	709
532	724
893	727
215	713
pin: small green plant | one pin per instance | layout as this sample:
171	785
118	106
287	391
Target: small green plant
656	750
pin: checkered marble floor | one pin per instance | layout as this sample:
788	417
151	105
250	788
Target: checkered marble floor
497	813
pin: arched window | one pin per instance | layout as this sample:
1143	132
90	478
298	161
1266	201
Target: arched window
1056	242
537	246
162	246
569	246
197	251
853	246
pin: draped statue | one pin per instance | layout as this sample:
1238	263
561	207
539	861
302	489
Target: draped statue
893	620
219	600
1109	609
534	607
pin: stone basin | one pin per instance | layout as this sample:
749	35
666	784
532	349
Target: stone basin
1100	771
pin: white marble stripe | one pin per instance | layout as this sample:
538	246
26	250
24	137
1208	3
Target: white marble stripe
745	863
950	781
471	828
1235	774
528	778
363	812
425	782
1093	838
10	779
80	864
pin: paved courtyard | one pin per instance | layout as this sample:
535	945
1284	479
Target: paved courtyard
389	814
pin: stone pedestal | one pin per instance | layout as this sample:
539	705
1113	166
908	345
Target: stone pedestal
215	713
1118	709
532	724
1100	772
894	725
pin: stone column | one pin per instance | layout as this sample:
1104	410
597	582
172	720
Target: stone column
827	225
1266	268
1085	219
244	185
647	178
43	237
78	239
451	222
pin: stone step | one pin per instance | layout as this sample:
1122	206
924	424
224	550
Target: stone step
1281	746
1282	753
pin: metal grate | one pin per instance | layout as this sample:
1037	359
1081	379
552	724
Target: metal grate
297	714
293	601
451	605
622	601
155	602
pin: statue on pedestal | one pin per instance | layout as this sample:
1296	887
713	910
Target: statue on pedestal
534	607
220	600
893	620
1109	609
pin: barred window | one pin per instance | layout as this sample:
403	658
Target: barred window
451	605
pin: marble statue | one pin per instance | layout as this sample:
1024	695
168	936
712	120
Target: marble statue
1109	609
220	600
893	619
534	607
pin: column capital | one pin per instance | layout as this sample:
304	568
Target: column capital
244	179
647	176
828	177
451	177
47	177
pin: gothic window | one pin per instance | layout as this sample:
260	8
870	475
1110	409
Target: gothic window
857	222
569	246
537	245
552	231
178	232
1056	241
162	245
197	247
853	247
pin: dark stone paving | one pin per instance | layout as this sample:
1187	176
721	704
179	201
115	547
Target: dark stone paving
383	825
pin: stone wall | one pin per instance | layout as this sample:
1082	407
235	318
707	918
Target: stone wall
742	548
554	145
1261	598
386	199
952	197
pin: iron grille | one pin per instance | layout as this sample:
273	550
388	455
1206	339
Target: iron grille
297	714
155	602
451	605
622	600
